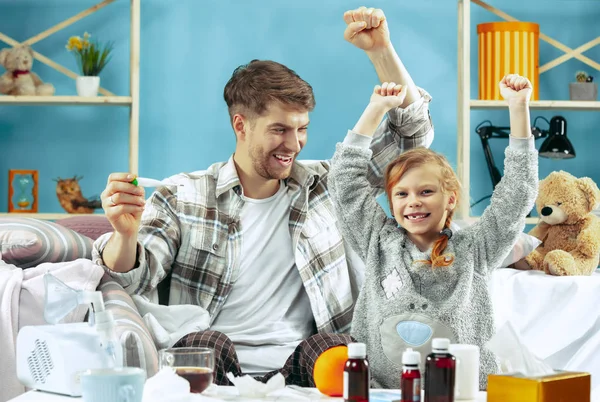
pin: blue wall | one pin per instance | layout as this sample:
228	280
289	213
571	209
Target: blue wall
189	49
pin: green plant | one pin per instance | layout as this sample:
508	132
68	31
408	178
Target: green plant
91	57
581	76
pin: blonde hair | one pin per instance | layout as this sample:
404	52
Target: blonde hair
448	179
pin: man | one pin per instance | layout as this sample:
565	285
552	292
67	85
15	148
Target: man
254	240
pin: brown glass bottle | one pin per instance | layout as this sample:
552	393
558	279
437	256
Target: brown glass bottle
440	371
356	374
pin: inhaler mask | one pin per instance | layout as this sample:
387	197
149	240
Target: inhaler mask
60	300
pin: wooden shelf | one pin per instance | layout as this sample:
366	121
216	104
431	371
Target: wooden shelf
549	104
43	216
65	100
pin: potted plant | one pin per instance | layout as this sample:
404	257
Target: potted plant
91	58
584	89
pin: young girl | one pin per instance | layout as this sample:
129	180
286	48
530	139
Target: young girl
422	281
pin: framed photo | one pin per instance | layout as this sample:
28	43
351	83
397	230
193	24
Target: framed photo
23	191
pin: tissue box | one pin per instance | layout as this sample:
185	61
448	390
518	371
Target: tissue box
560	387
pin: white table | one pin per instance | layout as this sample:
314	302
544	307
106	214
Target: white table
224	393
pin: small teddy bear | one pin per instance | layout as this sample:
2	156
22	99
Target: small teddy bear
569	231
18	78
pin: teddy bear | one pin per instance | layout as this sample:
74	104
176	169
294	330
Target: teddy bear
18	78
569	231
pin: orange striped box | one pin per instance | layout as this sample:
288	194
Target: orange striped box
507	48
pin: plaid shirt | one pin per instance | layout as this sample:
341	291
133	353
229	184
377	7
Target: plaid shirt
193	230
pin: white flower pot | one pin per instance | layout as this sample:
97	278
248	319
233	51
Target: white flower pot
87	86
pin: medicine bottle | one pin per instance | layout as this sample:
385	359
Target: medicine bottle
410	380
440	371
356	374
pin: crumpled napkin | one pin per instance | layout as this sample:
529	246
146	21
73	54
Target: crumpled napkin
250	388
275	389
167	386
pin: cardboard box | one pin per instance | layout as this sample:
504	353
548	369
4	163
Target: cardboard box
563	386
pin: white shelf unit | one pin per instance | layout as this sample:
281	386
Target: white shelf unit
66	100
132	101
540	105
43	216
465	103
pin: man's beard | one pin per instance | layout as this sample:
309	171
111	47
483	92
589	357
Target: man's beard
261	162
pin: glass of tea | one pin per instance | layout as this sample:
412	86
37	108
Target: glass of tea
196	365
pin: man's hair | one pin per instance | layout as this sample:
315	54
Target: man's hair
253	86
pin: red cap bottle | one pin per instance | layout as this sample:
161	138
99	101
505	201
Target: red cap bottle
356	374
410	380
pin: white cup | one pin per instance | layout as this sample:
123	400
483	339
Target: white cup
467	371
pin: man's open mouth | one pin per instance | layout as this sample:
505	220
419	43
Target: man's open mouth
284	159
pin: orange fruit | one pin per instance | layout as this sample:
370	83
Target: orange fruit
329	371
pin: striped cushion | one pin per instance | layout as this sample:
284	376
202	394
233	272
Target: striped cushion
27	242
90	225
138	346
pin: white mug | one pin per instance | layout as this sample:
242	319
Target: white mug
467	371
125	384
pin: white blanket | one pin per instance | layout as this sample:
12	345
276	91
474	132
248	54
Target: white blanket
168	324
10	288
22	303
558	318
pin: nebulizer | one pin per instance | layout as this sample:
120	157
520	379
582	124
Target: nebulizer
52	357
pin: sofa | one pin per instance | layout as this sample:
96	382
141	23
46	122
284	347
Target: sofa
28	243
557	317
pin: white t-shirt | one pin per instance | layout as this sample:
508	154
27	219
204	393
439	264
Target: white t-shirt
267	312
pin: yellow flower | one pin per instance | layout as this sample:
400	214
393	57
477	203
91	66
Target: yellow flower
91	57
74	43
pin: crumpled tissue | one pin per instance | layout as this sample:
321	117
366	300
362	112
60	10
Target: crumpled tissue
274	389
251	388
514	356
167	386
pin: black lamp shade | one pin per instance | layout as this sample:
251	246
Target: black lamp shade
557	145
